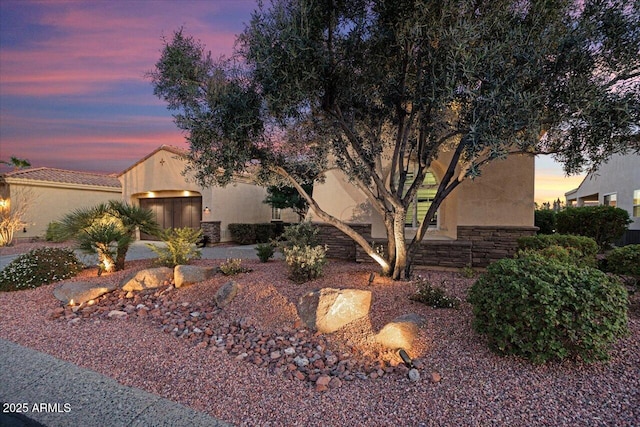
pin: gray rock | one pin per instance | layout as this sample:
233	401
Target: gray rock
328	309
148	279
117	314
226	293
189	274
81	292
414	375
401	332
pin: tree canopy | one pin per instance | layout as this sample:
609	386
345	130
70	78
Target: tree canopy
381	88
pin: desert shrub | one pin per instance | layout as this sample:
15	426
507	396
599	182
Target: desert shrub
305	262
624	261
581	250
301	234
264	251
433	296
265	232
545	220
232	266
605	224
243	234
543	309
468	272
181	246
39	267
54	232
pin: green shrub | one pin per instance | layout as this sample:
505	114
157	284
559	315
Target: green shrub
265	232
545	220
180	246
54	232
605	224
264	251
39	267
433	296
305	262
301	234
624	261
243	234
581	250
232	266
543	309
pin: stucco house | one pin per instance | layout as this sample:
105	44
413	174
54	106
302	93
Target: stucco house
51	193
615	183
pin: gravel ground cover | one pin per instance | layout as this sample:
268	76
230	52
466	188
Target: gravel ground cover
238	364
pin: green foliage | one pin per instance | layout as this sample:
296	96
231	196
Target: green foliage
543	309
180	246
468	272
581	250
605	224
354	82
39	267
232	266
265	252
301	234
305	262
287	197
433	296
243	234
624	261
53	232
545	220
265	232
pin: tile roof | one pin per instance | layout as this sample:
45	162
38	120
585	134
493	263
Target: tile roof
64	176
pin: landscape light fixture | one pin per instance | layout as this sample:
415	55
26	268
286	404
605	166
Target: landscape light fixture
372	276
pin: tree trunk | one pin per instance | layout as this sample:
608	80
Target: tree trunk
400	246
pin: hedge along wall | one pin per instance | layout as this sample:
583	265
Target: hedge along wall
477	246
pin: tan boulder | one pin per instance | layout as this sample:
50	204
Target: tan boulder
148	279
401	332
189	274
81	292
327	310
226	293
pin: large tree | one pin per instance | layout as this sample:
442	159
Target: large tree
381	88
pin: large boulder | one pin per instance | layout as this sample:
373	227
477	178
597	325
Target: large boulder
81	292
327	310
401	332
226	293
189	274
148	279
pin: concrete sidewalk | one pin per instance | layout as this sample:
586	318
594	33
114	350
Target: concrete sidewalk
51	392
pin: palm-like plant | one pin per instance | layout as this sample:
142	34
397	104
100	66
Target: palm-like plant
107	230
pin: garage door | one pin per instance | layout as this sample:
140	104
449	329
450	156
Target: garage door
174	212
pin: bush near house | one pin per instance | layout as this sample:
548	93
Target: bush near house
543	309
605	224
580	249
248	234
545	220
624	261
39	267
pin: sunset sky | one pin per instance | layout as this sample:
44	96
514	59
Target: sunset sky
73	92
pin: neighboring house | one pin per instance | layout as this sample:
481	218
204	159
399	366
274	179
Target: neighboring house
615	183
157	182
49	194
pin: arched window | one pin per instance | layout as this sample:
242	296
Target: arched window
422	200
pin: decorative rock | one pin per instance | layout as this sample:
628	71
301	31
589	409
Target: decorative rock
328	309
436	377
81	292
148	279
414	375
189	274
401	332
323	380
301	361
226	294
117	314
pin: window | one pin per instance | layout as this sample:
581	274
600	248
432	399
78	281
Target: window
636	203
276	214
610	200
422	201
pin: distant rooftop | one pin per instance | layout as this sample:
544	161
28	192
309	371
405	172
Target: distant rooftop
64	176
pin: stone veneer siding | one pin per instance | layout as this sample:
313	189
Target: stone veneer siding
477	246
211	229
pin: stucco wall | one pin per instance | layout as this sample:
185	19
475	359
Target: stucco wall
502	196
49	203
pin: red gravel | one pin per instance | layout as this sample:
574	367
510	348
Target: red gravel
476	387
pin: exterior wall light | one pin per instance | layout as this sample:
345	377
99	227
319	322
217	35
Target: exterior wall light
207	210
